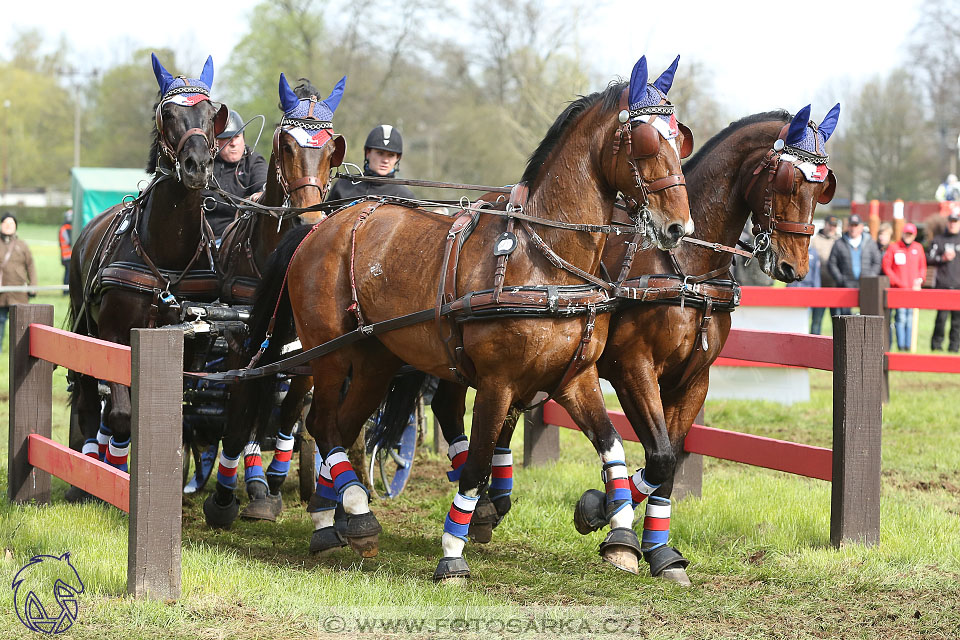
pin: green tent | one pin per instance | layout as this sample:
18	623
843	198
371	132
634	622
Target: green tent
96	189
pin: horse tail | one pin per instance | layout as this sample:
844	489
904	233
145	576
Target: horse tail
399	404
271	306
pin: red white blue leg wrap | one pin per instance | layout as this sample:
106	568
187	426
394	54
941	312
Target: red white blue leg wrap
341	471
617	486
253	464
656	523
91	448
280	465
458	518
501	475
117	453
457	452
640	488
103	441
227	471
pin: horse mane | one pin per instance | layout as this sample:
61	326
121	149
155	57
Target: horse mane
611	99
154	158
778	115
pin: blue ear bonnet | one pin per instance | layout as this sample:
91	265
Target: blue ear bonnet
322	110
649	95
168	82
805	135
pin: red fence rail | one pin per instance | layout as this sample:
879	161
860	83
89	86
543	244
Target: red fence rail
152	367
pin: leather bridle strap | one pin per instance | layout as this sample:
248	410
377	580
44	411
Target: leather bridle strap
769	163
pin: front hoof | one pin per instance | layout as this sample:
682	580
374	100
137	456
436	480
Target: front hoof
621	548
363	534
325	539
669	564
484	519
220	517
590	514
451	571
267	508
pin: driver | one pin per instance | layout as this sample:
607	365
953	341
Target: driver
237	169
381	152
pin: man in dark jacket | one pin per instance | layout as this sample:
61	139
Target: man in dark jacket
943	255
237	169
381	159
855	255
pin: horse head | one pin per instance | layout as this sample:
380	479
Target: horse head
648	145
187	124
305	147
784	191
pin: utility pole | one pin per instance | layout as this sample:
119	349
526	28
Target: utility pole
76	78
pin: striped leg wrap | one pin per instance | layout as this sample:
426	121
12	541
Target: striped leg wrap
640	488
617	486
91	448
501	476
117	453
341	471
253	464
328	497
656	524
458	518
280	465
103	441
457	452
227	471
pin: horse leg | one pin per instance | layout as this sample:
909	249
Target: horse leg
494	502
85	409
489	413
118	422
583	400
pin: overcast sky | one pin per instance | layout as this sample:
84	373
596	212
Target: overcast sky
764	54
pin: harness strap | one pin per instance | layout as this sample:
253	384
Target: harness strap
559	262
460	363
518	198
355	302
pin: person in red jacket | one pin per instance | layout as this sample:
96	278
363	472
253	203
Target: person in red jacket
905	263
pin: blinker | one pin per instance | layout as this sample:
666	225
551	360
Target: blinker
505	245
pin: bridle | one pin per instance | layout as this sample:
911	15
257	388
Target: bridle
781	178
642	141
310	123
220	121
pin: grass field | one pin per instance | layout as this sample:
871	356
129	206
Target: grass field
758	542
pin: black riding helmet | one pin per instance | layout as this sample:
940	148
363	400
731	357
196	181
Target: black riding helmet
234	124
386	138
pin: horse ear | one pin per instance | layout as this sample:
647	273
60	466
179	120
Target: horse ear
665	81
638	81
206	76
829	123
163	76
798	126
288	99
333	100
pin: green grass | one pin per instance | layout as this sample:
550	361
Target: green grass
758	542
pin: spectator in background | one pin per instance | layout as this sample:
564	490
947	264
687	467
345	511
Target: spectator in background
747	271
16	269
884	234
906	265
949	189
822	243
853	256
812	279
66	249
943	255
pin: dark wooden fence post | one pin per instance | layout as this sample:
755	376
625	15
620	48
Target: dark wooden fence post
688	478
873	302
857	420
153	565
31	404
541	442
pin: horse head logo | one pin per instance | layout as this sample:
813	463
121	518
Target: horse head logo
41	575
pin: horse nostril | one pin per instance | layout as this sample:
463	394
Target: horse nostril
675	232
789	275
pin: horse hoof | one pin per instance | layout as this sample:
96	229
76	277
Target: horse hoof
621	548
669	564
220	517
590	514
267	508
363	534
77	495
484	519
325	539
451	571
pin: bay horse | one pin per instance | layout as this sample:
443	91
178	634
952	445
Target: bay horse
134	261
658	355
305	151
376	261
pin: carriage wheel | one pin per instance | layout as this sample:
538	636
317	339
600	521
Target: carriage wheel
390	469
187	457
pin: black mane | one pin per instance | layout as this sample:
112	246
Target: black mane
154	156
770	116
610	97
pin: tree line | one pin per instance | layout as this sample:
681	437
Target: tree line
471	104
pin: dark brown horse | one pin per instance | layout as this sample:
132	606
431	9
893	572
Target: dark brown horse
305	150
376	261
658	355
133	262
